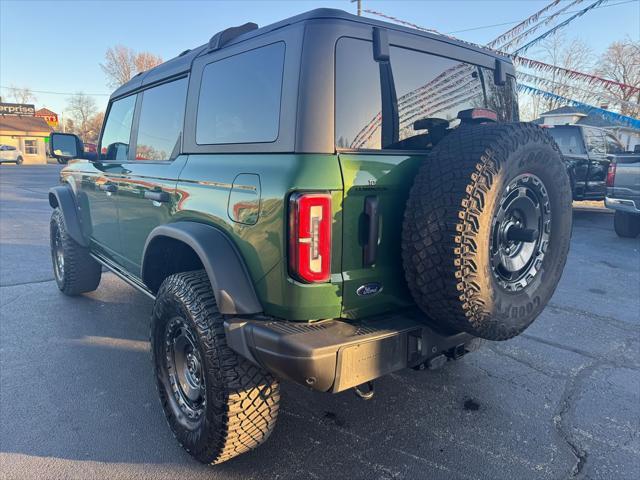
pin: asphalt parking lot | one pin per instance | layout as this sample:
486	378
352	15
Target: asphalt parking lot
561	401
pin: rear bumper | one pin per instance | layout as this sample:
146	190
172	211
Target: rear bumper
334	355
622	204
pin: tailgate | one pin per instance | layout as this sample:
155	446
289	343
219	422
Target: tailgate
376	188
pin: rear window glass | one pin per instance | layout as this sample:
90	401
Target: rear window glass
613	144
358	101
569	139
428	86
502	99
240	98
595	141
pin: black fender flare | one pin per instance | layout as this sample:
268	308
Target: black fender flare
63	198
227	272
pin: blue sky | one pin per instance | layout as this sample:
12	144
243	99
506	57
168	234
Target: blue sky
57	46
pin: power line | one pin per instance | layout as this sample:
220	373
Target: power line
61	93
541	18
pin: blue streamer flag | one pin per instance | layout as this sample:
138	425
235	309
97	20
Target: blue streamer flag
524	48
583	107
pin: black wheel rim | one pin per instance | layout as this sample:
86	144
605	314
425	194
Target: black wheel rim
57	252
185	369
520	232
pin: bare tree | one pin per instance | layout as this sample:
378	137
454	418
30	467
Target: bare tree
572	55
81	109
122	64
93	128
144	61
21	95
621	62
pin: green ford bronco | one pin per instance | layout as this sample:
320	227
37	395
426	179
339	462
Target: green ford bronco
325	200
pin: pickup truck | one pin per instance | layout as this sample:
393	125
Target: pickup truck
587	153
623	195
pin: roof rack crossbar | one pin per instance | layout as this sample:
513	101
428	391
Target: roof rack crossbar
223	37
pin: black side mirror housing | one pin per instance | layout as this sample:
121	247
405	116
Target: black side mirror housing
500	73
66	146
380	45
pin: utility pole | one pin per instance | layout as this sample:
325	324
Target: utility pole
359	2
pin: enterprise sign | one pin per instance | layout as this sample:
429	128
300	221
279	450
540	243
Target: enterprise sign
17	109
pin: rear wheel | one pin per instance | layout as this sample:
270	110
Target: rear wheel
19	161
626	225
487	229
217	404
74	269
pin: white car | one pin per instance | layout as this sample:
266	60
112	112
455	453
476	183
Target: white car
10	154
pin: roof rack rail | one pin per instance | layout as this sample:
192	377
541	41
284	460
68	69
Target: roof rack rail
184	52
223	37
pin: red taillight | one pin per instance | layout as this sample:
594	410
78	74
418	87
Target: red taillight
611	174
310	236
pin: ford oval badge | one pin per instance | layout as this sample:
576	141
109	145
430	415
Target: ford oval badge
369	289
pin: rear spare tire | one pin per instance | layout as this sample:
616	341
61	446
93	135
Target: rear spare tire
487	229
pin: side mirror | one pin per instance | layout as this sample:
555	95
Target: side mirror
65	146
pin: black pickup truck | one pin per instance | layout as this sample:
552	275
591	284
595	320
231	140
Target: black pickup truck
587	152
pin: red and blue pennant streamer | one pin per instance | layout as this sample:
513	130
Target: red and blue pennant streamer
583	107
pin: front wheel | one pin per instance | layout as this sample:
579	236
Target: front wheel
74	269
217	404
19	161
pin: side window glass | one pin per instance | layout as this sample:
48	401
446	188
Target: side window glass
613	144
358	104
240	98
117	130
595	141
161	119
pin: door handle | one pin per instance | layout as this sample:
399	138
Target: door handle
373	217
108	187
162	197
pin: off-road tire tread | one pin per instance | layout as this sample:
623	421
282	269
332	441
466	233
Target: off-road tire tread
441	222
82	273
245	397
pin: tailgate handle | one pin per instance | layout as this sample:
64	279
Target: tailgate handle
373	220
161	197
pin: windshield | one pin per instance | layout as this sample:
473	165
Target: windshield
569	139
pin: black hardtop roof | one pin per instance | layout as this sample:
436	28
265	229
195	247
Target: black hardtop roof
182	63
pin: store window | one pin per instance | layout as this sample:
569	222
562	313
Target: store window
31	147
161	119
